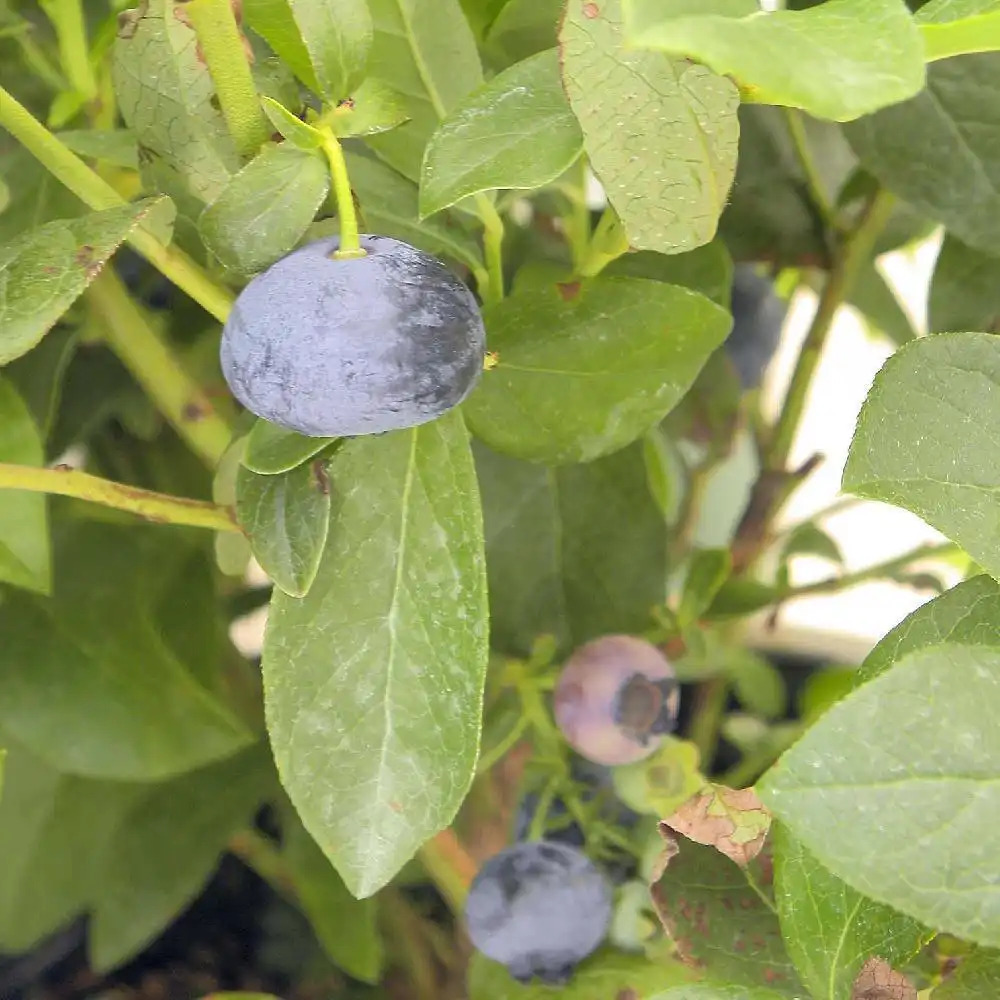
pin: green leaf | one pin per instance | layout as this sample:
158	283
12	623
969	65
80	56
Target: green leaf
376	746
49	823
811	540
852	783
346	927
605	976
938	151
71	689
924	439
337	35
757	683
841	60
661	134
24	523
286	517
116	146
38	375
711	991
873	297
522	28
516	132
425	50
586	368
43	272
574	552
708	269
165	848
957	27
708	571
965	289
389	206
271	450
165	94
274	22
718	921
299	133
739	597
966	614
373	107
977	976
265	208
829	929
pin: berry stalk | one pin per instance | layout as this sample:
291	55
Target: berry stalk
350	241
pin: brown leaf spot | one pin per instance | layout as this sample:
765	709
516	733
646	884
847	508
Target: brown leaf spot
85	258
195	410
347	104
627	994
568	290
878	980
733	821
591	10
395	806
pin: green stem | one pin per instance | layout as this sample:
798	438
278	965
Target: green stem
221	44
350	241
158	507
814	183
38	62
262	855
492	757
493	231
97	194
704	730
71	31
608	243
141	349
833	585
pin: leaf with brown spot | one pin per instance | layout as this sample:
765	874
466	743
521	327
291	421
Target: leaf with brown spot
43	271
733	821
878	980
721	919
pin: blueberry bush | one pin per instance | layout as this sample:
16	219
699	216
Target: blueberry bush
431	325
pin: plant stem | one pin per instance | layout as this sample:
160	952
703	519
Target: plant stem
97	194
221	44
835	584
709	706
775	483
350	242
147	357
71	31
450	867
817	192
261	855
493	231
158	507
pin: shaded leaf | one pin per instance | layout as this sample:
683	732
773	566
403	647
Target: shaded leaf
48	822
733	821
965	289
830	930
24	523
522	28
271	449
708	269
265	208
708	571
757	683
43	272
376	747
165	94
875	299
337	35
299	133
86	680
607	975
38	375
166	846
739	597
574	552
586	368
373	107
116	146
661	134
286	517
939	150
977	976
811	540
852	783
717	921
346	927
841	60
274	22
924	438
425	50
516	132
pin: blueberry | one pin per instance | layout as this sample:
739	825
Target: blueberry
758	315
539	908
615	698
337	347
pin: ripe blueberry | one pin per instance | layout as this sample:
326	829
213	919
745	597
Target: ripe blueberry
758	315
539	908
615	698
335	347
